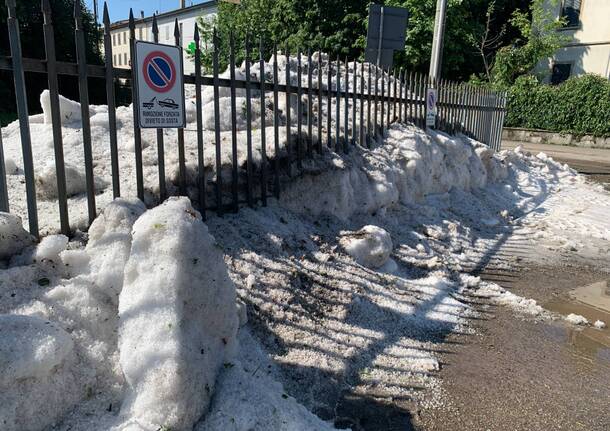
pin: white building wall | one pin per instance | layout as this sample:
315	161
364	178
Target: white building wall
186	21
588	49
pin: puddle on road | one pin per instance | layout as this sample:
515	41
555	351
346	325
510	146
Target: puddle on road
588	342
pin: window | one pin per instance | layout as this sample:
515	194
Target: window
167	32
114	59
561	72
120	64
125	37
140	33
570	10
125	59
181	34
114	39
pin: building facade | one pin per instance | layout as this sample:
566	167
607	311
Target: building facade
588	48
187	18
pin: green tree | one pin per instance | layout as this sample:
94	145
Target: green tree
538	39
32	42
339	28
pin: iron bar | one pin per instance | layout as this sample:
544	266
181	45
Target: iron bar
263	125
249	162
22	113
137	137
234	161
181	153
60	171
198	106
276	127
160	142
111	102
217	141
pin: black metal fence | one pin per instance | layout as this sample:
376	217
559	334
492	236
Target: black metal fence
369	99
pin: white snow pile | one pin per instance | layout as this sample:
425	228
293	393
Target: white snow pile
134	331
345	289
371	246
37	359
501	296
576	319
13	237
177	316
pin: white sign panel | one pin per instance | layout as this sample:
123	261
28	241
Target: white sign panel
431	99
158	74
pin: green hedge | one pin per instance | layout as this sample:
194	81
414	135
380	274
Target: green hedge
580	105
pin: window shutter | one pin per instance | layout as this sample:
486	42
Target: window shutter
571	11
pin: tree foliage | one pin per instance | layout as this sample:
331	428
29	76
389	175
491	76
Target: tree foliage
339	27
30	19
538	39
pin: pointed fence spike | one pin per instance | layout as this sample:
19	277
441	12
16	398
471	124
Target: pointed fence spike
155	26
78	15
196	33
176	29
132	24
106	18
46	11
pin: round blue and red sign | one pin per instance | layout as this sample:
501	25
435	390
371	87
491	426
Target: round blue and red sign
159	71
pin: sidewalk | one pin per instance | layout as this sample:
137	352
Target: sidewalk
590	161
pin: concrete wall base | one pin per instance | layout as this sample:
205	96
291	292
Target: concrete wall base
544	137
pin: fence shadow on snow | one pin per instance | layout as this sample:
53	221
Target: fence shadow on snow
266	118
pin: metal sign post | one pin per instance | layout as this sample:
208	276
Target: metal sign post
159	80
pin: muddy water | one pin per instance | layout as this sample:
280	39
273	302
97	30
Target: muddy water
589	343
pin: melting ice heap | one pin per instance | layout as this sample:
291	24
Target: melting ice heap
277	318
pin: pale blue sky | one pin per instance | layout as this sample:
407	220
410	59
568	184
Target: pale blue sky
119	9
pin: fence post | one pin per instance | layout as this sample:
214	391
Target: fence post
219	209
276	127
346	109
376	102
299	109
400	99
22	113
110	100
137	137
383	102
319	141
198	107
83	89
181	154
288	119
249	194
263	125
160	143
361	128
60	171
329	103
309	104
338	105
354	87
4	207
234	161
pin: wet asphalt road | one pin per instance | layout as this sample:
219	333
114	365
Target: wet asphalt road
519	373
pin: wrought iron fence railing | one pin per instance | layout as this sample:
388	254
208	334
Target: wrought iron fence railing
365	99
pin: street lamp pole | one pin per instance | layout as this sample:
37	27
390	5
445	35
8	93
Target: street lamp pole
437	43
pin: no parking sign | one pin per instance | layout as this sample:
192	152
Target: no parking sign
158	74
